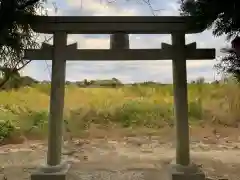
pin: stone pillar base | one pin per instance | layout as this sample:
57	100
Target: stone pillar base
191	172
51	172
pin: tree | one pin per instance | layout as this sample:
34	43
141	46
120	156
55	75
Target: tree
200	80
16	33
229	64
224	17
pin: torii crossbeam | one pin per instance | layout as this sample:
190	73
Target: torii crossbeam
72	53
113	24
119	27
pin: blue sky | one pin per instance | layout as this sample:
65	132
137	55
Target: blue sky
134	71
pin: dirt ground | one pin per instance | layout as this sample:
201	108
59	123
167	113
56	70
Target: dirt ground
216	150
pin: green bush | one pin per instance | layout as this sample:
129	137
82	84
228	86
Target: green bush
195	110
143	113
39	120
6	129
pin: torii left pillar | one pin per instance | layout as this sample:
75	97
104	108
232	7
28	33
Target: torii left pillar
55	168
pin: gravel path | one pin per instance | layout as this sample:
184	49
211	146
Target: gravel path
128	158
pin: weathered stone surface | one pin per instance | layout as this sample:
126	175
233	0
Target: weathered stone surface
51	173
192	172
49	176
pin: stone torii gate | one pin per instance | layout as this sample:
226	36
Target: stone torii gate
119	28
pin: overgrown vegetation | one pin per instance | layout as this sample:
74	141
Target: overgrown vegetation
137	106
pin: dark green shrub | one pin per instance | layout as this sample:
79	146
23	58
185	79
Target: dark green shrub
6	129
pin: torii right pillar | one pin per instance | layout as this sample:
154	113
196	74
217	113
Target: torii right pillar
182	168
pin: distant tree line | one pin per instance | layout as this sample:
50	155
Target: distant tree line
16	81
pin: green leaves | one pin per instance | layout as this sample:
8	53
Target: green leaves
222	15
15	31
6	128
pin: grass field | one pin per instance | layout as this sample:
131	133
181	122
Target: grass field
26	110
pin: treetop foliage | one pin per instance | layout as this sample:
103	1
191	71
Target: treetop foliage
16	33
222	15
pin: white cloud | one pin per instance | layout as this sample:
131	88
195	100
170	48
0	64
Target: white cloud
102	8
92	42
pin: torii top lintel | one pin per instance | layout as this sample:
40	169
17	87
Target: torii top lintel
113	24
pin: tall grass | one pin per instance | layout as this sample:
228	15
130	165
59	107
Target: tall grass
133	106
